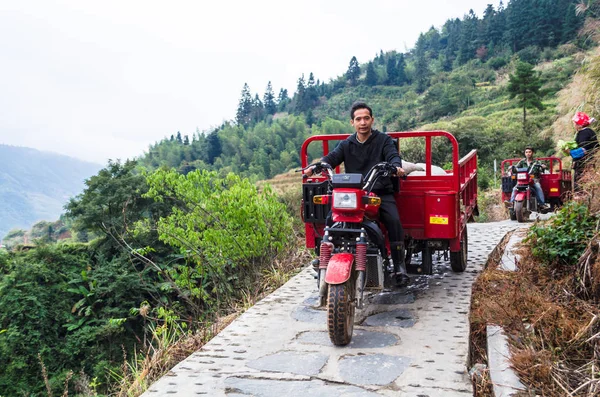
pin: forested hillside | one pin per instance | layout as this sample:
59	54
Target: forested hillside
35	185
456	78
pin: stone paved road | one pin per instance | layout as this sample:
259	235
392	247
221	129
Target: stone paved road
412	342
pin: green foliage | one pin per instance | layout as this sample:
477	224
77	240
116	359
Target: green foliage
218	225
498	62
530	54
71	307
111	201
563	240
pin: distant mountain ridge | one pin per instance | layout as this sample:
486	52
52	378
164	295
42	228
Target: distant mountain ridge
35	185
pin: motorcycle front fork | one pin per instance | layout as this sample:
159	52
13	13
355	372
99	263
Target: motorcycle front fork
360	288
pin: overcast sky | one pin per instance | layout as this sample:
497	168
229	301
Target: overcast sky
104	79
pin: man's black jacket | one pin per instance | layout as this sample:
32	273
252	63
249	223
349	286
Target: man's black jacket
359	157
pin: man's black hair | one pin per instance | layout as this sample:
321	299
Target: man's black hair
530	148
359	105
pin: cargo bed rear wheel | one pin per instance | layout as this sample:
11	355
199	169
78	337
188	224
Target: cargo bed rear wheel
458	260
427	260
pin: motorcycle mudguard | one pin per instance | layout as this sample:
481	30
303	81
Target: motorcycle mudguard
339	268
520	196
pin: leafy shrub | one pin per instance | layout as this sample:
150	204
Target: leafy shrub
497	62
530	54
224	228
564	239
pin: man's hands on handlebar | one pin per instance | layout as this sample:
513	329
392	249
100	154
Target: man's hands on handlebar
316	168
319	167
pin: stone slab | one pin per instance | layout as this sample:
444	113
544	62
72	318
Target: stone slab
504	380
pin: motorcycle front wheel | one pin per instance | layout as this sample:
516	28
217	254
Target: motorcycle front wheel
340	313
519	211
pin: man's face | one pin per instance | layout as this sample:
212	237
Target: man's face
529	154
362	121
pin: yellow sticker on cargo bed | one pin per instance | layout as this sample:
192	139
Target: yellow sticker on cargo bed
438	220
554	189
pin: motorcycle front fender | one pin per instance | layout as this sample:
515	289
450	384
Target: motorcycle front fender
521	196
339	268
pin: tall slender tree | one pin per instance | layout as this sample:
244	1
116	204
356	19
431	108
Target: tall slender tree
525	85
258	110
311	92
421	75
391	70
283	99
469	38
300	96
353	72
244	109
269	100
401	69
371	77
213	146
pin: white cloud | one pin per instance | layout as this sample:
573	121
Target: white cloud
99	80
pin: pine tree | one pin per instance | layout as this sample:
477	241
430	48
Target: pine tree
353	72
258	110
244	109
269	100
310	118
311	92
391	70
432	43
451	32
300	97
283	100
496	27
401	70
525	85
186	140
421	65
371	77
520	20
178	138
468	42
213	146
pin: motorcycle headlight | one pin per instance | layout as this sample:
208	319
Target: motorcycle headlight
522	176
344	200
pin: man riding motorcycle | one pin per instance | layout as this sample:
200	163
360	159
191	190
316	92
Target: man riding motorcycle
534	168
359	153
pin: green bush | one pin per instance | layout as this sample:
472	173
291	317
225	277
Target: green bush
225	229
530	54
59	301
563	240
